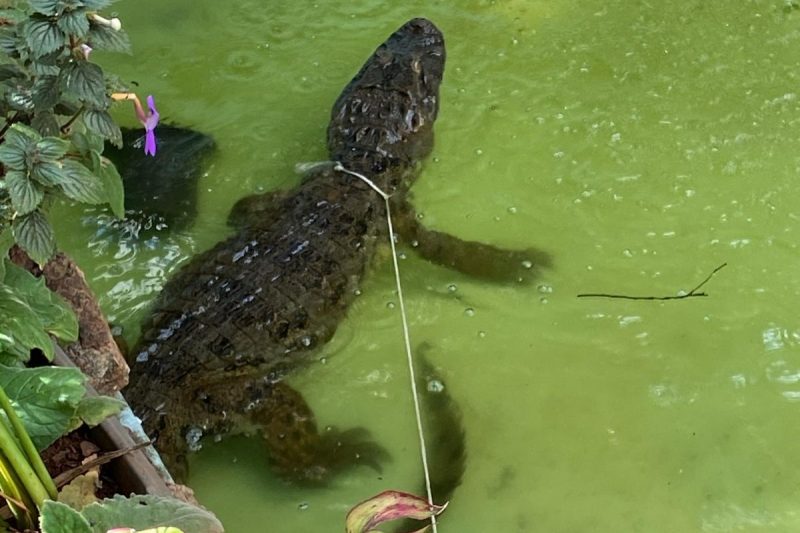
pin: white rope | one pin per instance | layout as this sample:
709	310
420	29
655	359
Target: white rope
406	336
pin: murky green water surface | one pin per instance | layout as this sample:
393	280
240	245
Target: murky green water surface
642	144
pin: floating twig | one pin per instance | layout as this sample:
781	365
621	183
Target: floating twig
691	294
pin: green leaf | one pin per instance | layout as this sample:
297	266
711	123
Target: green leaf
6	242
94	409
101	122
34	234
52	148
105	38
46	92
80	184
13	15
46	399
43	36
10	41
85	142
148	512
387	506
50	64
25	195
47	173
10	71
20	96
45	7
20	328
53	313
45	123
21	136
74	23
12	156
85	80
112	184
95	5
58	517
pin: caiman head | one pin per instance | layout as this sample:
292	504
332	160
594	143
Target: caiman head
382	123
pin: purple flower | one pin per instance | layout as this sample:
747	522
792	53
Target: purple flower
150	124
148	120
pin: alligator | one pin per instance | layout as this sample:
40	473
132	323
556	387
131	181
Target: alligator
233	322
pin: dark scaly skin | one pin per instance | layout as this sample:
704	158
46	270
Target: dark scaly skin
239	317
230	324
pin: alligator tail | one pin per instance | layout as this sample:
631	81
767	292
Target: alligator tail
444	430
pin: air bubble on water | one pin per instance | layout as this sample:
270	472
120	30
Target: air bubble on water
402	255
420	216
452	287
435	386
357	292
481	334
512	210
193	436
478	152
543	300
218	438
323	360
306	341
527	264
303	506
414	243
469	311
390	305
627	253
545	289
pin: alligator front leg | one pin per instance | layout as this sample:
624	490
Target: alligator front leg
474	258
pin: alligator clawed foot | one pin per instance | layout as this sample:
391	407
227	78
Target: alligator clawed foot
352	447
336	451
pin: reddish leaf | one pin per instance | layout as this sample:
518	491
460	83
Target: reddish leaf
387	506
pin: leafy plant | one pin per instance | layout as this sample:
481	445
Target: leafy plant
37	405
142	514
55	104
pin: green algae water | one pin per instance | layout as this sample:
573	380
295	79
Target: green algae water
641	144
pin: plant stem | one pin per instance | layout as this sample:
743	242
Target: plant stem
28	447
9	122
72	119
10	484
19	465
